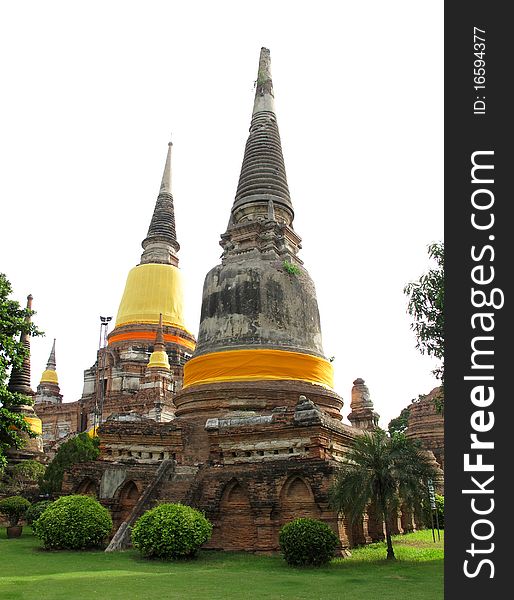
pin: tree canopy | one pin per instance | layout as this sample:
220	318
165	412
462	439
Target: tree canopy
426	306
400	423
13	322
80	448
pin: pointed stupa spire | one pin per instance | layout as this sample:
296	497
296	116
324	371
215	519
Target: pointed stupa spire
19	380
160	245
263	174
159	358
155	285
264	97
166	176
51	364
50	374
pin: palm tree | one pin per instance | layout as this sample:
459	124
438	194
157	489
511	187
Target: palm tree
385	471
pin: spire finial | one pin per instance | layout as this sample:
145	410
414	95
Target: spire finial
160	245
264	97
159	339
166	176
263	173
51	364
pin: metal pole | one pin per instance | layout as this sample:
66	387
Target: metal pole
432	504
104	323
437	523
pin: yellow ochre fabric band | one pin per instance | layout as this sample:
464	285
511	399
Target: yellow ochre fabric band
152	289
49	376
252	365
35	424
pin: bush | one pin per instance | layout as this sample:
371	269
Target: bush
171	531
14	508
36	510
307	542
28	471
73	523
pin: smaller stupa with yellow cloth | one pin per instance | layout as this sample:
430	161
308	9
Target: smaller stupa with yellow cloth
153	295
48	389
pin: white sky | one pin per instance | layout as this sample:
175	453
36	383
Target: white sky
90	93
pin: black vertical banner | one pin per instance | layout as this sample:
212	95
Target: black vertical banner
479	269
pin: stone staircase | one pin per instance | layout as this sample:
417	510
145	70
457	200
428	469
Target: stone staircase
171	484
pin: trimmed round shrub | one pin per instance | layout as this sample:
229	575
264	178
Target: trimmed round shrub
36	510
73	523
307	542
14	508
171	531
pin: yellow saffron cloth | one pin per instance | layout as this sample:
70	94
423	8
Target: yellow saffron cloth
256	364
49	376
152	289
35	424
158	360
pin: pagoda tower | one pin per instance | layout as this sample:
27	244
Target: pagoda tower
19	382
153	291
259	342
158	379
363	415
48	389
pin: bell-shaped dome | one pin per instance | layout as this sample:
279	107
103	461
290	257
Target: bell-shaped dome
151	290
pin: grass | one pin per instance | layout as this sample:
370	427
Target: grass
27	572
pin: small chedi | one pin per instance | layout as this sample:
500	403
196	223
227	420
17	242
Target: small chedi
244	424
123	383
19	382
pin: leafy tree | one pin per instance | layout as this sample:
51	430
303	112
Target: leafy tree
80	448
387	471
23	478
399	424
426	306
13	322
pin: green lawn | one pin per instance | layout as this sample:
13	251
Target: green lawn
27	572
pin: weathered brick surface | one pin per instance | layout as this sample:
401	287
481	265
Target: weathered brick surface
426	424
249	472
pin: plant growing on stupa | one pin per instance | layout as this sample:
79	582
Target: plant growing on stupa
171	531
73	523
307	542
387	471
291	268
